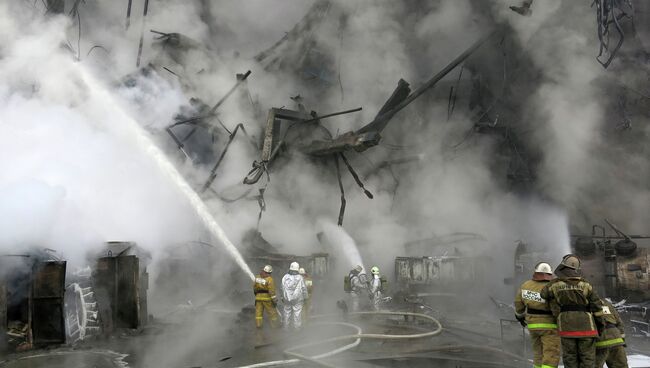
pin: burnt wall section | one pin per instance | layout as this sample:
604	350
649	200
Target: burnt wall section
121	283
47	314
31	302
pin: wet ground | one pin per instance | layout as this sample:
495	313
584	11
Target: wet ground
214	338
64	358
209	337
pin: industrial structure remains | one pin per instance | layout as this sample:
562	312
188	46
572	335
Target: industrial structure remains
324	183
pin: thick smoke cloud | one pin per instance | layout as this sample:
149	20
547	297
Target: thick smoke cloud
73	181
69	182
588	159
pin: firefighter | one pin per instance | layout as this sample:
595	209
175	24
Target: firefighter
573	302
532	311
357	286
375	287
294	293
310	288
265	298
610	347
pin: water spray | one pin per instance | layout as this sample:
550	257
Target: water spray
145	143
339	238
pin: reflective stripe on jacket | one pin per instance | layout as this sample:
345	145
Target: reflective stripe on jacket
529	303
613	332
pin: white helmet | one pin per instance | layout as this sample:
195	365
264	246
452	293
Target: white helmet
294	267
302	271
374	270
543	267
268	269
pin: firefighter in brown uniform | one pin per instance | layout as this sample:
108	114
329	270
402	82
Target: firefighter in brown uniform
610	347
531	310
265	299
573	302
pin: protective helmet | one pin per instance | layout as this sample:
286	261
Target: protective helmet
294	267
302	271
268	269
359	268
374	270
543	267
570	261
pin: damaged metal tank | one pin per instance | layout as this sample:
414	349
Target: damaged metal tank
618	265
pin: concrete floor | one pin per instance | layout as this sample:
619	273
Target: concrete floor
214	338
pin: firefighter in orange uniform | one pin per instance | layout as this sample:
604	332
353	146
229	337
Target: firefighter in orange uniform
265	299
531	310
573	302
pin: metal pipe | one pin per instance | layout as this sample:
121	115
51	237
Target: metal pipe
239	82
144	18
332	114
128	13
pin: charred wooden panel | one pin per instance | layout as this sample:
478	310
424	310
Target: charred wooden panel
48	290
49	280
142	294
106	289
128	296
118	279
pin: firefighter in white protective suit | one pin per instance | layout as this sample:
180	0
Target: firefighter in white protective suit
358	286
294	294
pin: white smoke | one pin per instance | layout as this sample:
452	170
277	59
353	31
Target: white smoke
74	181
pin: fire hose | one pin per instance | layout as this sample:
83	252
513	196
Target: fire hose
357	337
